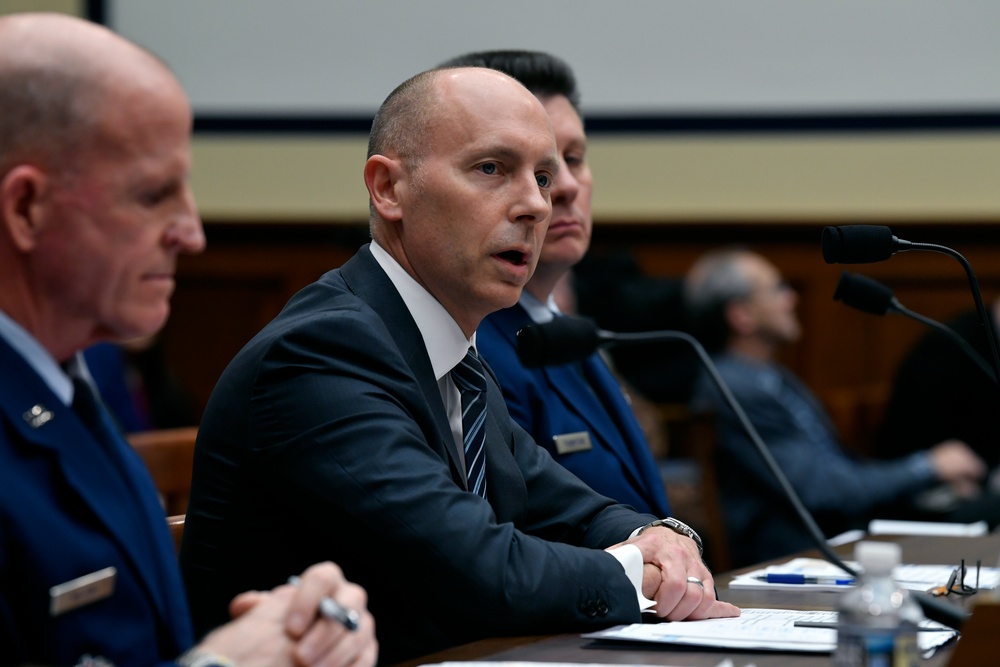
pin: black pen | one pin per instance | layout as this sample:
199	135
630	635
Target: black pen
330	608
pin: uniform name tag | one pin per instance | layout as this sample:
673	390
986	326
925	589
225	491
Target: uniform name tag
567	443
81	591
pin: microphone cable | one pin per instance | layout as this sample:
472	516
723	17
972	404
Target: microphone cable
539	344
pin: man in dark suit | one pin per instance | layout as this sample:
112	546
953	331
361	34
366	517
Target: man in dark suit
95	208
360	425
577	411
939	392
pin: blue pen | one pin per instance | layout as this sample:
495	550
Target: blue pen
790	578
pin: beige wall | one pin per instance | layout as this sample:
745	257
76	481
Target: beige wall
64	6
724	178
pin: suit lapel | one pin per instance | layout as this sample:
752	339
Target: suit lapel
630	433
121	498
370	283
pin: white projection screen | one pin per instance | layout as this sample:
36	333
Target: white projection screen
635	59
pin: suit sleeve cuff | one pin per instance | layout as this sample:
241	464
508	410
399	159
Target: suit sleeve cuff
630	558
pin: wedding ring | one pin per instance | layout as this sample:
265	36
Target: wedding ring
696	581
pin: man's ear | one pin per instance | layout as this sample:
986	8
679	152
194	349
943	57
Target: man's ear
739	318
21	194
383	177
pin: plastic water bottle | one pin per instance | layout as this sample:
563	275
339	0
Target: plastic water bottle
877	620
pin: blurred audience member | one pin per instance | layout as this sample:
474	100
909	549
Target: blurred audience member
940	393
744	313
612	290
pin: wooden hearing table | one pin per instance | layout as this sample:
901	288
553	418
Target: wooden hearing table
575	649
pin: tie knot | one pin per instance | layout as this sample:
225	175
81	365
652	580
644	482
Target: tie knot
469	374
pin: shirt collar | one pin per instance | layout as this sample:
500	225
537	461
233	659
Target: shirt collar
446	344
36	356
539	312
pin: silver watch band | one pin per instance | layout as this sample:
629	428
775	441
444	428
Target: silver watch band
679	527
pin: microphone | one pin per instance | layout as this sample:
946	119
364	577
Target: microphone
870	296
567	339
862	244
865	294
560	341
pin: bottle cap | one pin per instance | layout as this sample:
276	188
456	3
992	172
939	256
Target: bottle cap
878	558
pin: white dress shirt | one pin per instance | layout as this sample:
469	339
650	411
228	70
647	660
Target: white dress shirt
447	345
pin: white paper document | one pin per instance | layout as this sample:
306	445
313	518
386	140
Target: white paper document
521	663
755	629
911	577
934	528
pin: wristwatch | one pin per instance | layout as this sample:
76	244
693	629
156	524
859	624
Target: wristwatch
678	527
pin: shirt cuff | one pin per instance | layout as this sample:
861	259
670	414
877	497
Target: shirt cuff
631	560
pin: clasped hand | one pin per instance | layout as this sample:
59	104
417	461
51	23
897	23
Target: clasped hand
282	626
675	577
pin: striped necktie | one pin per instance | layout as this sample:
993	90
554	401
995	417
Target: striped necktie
470	378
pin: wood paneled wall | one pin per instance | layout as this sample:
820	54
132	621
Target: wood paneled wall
249	271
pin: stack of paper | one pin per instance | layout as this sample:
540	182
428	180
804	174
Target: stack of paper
819	575
757	629
934	528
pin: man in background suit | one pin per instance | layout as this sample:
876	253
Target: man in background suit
95	208
939	393
339	429
743	312
576	411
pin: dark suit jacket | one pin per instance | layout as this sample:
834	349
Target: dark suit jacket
939	393
70	506
326	438
571	398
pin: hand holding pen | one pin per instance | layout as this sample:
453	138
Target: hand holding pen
333	610
294	619
323	593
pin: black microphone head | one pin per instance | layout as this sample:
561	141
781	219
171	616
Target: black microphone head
863	293
857	244
561	341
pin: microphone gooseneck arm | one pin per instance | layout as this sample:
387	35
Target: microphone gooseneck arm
870	296
800	509
984	317
934	609
864	244
581	338
948	331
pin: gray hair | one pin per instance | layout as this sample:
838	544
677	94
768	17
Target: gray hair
716	280
48	113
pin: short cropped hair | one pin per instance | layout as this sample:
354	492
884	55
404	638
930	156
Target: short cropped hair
542	73
403	120
716	280
47	114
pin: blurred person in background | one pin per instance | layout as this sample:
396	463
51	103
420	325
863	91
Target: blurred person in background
744	312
